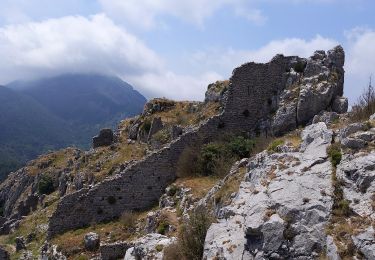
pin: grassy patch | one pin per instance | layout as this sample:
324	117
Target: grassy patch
273	146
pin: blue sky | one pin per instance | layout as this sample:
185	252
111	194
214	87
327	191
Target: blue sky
175	48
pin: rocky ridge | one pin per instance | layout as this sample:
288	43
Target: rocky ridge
281	203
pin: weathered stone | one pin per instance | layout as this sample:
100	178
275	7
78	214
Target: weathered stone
176	131
251	98
332	251
150	246
351	129
340	105
92	241
372	117
4	254
158	105
105	138
353	143
156	126
20	244
133	131
365	242
216	91
114	251
275	212
326	117
49	252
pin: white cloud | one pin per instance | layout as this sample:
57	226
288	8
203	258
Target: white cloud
146	13
91	45
72	44
224	60
360	62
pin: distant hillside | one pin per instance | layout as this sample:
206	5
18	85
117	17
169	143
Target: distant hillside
26	130
52	113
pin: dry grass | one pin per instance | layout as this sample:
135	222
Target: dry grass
230	186
71	242
31	224
199	185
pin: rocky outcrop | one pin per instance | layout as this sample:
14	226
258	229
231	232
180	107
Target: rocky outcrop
105	138
150	246
312	86
216	92
282	206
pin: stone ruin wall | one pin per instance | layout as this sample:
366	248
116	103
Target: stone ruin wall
253	93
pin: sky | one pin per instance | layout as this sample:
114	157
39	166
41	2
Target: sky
176	48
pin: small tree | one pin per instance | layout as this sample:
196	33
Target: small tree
45	185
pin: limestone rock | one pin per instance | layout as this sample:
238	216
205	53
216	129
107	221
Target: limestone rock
92	241
157	105
372	117
216	91
358	174
156	126
276	214
340	105
105	138
50	252
353	143
150	246
326	117
365	242
133	131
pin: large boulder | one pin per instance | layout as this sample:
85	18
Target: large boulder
150	246
105	138
340	105
91	241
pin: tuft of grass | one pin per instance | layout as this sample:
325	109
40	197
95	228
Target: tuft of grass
335	154
273	146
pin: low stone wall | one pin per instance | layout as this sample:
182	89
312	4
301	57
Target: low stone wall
114	251
137	188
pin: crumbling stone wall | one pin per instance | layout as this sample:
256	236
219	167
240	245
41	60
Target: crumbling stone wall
138	187
253	97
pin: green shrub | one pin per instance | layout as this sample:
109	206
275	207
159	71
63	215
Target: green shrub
334	153
45	185
209	155
299	66
241	146
273	146
146	126
162	227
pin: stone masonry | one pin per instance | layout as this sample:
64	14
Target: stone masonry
253	95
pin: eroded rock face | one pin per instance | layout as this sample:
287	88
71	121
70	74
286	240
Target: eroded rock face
312	86
105	138
4	254
282	206
216	91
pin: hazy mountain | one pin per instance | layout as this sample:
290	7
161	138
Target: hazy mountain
27	129
59	111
